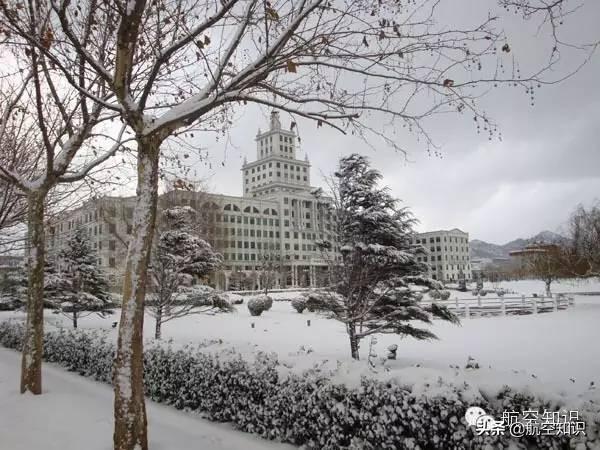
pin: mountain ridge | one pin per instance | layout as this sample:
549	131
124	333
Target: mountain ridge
487	250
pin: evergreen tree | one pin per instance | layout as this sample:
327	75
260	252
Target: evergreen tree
373	263
79	286
179	256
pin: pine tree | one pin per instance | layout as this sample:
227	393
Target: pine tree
376	277
179	256
79	286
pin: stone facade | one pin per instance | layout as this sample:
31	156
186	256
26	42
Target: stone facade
448	254
266	235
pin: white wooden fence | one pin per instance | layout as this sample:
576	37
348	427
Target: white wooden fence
501	306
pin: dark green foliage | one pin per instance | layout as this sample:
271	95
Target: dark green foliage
79	286
299	304
259	304
376	278
305	409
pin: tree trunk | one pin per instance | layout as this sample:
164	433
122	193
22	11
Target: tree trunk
158	326
31	364
75	319
353	341
130	431
548	292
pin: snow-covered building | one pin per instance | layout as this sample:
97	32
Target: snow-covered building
272	227
447	254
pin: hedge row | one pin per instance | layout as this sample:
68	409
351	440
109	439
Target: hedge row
303	410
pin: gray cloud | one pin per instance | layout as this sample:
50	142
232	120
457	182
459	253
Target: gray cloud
545	165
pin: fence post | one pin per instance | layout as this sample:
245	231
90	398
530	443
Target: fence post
522	300
479	305
555	303
456	304
535	305
467	311
503	306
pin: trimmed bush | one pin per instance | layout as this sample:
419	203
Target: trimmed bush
444	295
435	294
258	304
306	409
299	304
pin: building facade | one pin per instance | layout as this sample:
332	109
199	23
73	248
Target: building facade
269	233
447	254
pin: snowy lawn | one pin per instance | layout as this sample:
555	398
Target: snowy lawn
550	353
75	413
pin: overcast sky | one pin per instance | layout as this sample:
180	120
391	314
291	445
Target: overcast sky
547	163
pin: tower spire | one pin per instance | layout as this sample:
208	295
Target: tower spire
275	123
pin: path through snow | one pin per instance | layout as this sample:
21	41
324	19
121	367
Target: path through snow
75	413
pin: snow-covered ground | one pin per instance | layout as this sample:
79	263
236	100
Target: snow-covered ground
75	413
552	353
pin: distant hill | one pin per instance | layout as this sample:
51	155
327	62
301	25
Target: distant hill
482	249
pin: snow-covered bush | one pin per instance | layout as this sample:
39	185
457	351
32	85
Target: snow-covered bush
307	409
235	299
299	304
418	296
435	294
483	293
258	304
312	302
268	302
472	363
444	295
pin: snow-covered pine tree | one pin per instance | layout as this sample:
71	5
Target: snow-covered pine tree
179	256
377	272
79	287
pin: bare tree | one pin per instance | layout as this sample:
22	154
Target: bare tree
179	65
270	269
47	124
584	233
547	262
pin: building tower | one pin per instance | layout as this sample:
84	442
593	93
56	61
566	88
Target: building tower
276	167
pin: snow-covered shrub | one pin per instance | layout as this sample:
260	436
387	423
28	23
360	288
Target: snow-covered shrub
472	363
435	294
312	302
268	302
299	304
444	295
418	296
258	304
235	299
392	350
307	409
483	293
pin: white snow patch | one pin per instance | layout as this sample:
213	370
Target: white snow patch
76	413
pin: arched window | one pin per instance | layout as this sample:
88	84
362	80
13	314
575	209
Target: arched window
210	205
230	207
